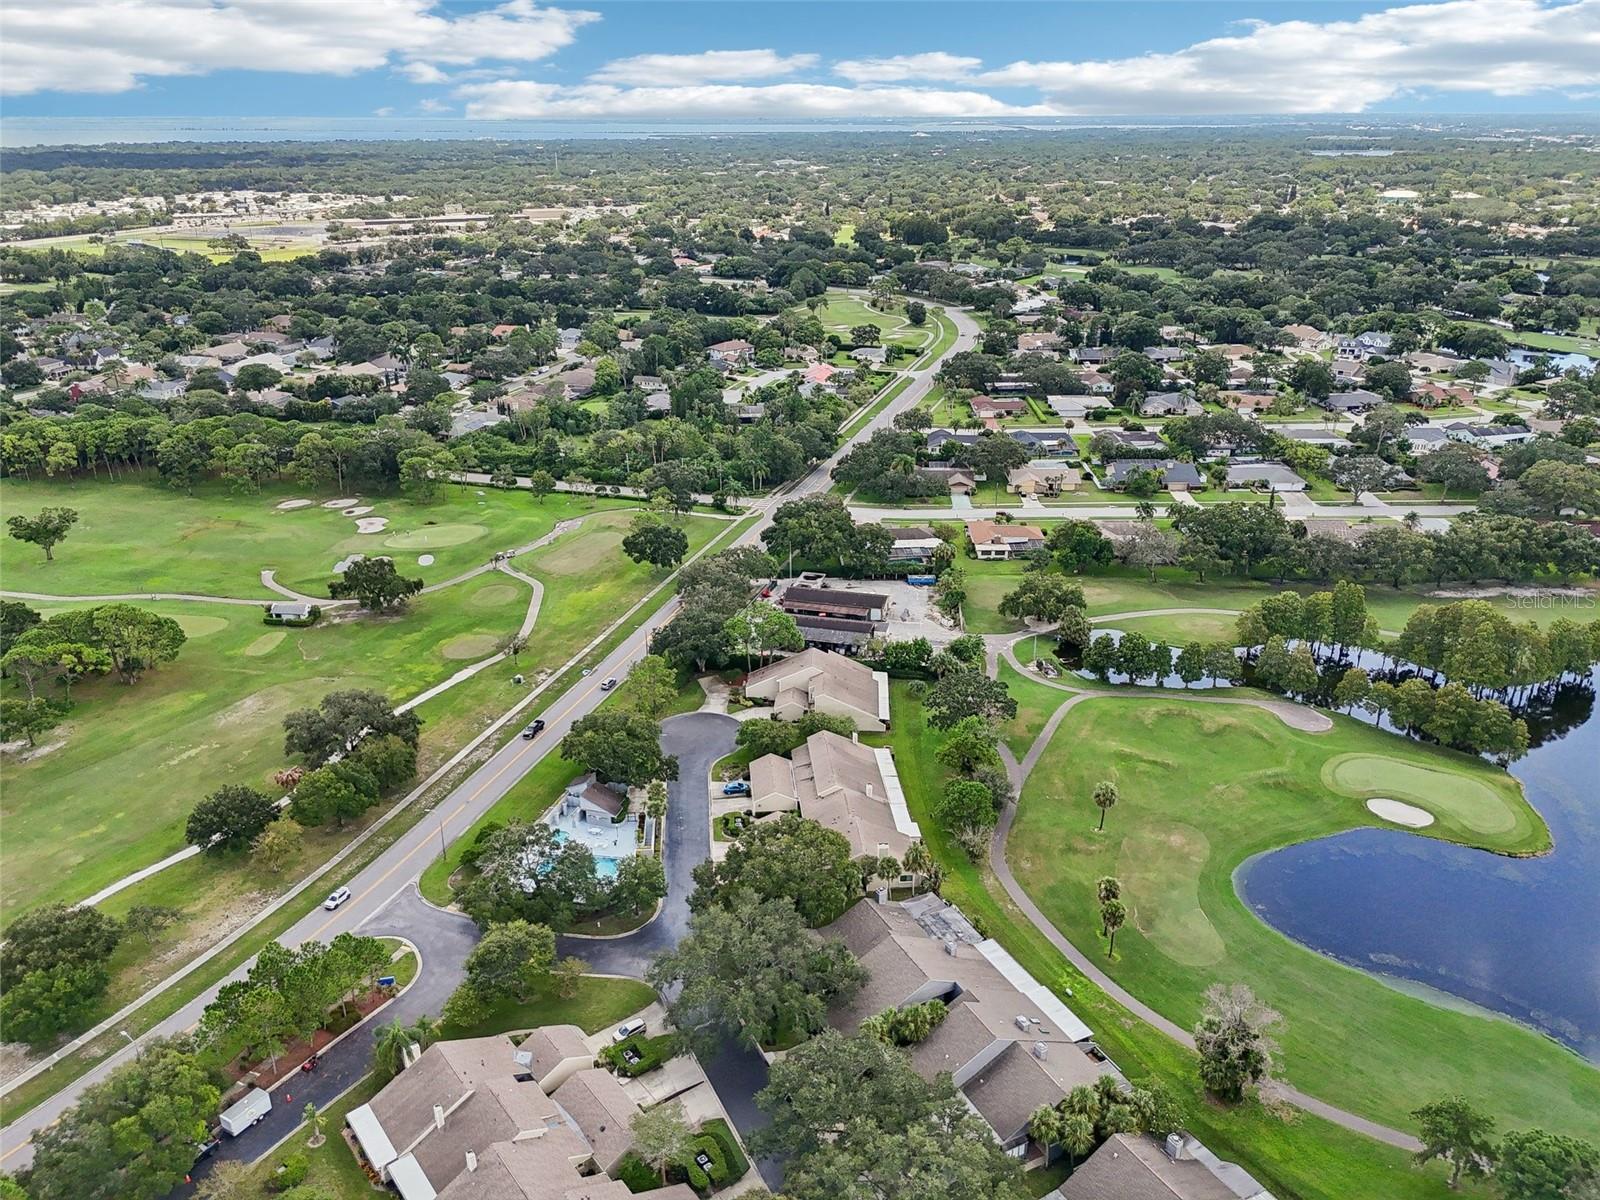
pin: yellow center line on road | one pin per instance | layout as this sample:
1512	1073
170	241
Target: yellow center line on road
516	760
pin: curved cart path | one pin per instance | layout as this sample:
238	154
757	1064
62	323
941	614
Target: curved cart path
1294	715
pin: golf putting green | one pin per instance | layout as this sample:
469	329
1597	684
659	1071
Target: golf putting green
196	626
493	595
265	644
470	645
1473	803
431	537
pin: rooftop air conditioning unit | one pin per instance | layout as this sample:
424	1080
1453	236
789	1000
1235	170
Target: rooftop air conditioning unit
950	947
472	1161
1040	1050
1173	1146
1022	1021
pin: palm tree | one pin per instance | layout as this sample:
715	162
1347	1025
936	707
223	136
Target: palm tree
1077	1136
1146	510
918	862
1107	887
393	1045
1112	915
425	1030
1045	1127
1105	795
314	1119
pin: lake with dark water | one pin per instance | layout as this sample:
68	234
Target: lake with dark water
1518	936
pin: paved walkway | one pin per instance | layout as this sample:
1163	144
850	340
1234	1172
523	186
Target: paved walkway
1295	715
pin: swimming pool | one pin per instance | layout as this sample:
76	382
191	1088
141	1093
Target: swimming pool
605	866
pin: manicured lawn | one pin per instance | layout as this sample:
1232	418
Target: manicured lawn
1035	703
138	536
597	1002
1204	788
841	312
1290	1152
1181	628
132	760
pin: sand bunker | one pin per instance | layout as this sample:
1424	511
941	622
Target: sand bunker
287	504
1408	815
371	524
359	510
424	560
339	567
346	503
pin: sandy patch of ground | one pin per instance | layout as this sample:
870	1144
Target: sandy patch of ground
345	503
424	560
288	504
371	524
24	753
359	510
1408	815
340	566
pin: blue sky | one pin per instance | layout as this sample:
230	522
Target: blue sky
650	60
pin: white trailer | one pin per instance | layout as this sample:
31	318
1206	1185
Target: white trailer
243	1113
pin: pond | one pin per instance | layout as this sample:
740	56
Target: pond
1520	937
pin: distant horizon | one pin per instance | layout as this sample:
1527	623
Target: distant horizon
43	132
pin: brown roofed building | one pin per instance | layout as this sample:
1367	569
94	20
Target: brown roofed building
820	681
833	602
1130	1166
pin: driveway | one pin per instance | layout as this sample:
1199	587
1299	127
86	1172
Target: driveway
698	739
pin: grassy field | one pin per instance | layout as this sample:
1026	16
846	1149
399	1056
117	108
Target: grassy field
842	311
113	791
597	1003
137	536
1121	589
1203	789
1290	1152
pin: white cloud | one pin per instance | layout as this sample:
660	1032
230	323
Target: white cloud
933	65
113	45
431	105
526	99
1505	47
385	111
711	66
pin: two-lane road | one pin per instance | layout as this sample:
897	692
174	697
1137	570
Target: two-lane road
402	864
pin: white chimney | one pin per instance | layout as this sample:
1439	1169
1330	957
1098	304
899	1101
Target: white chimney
472	1161
438	1116
950	947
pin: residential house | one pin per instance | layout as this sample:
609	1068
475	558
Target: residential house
280	611
1357	401
53	368
1046	442
985	407
1426	360
1165	355
199	362
820	373
587	799
229	352
1042	479
961	481
568	339
1134	1166
463	423
1265	476
1313	435
1308	338
1092	356
912	543
820	681
650	383
1007	1042
1175	476
1169	404
1133	439
994	541
1348	370
937	439
1077	408
1488	436
1433	395
1371	344
842	785
1096	383
479	1118
1425	439
164	389
799	600
733	353
1039	343
576	384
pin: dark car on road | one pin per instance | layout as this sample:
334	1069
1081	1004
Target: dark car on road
534	730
